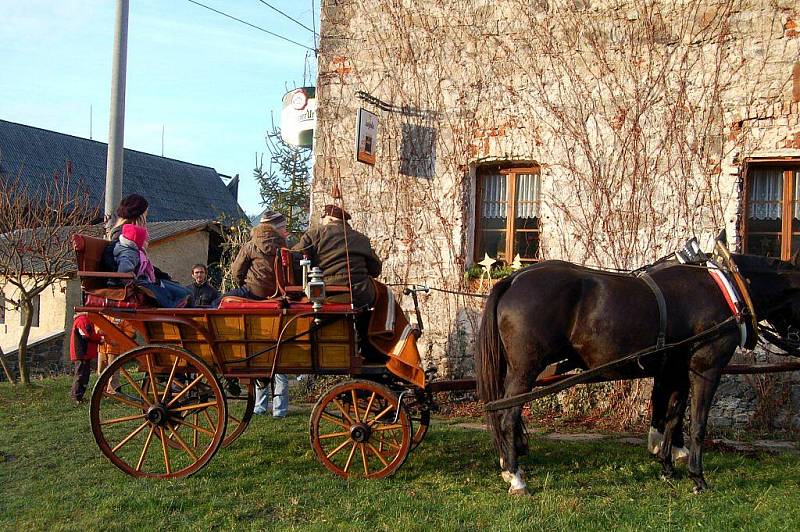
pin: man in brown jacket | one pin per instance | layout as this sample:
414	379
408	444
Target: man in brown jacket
325	246
253	267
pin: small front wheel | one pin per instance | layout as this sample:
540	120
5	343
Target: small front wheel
165	394
360	428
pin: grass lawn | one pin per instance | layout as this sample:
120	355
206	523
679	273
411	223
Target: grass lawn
52	476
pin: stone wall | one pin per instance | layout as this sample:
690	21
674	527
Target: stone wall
46	357
640	115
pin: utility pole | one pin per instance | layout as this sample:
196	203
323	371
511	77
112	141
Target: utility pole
116	126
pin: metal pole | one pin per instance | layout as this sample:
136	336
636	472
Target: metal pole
116	126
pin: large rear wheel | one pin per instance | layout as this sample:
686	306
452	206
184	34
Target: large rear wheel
167	417
360	428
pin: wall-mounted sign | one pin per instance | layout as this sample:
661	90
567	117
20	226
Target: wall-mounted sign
299	116
366	136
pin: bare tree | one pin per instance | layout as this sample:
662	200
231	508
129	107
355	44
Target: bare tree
37	221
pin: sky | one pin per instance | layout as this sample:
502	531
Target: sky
211	82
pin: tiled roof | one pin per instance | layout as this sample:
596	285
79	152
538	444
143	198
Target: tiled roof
175	190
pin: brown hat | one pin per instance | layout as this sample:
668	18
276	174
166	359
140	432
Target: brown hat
335	212
272	218
132	207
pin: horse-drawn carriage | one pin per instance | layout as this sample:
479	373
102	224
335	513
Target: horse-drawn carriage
188	387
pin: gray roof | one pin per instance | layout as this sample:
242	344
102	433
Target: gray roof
175	190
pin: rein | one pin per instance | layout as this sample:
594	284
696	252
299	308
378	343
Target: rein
711	333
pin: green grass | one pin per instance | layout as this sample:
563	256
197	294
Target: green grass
52	476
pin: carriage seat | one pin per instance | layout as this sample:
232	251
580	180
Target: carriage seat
285	278
240	303
94	281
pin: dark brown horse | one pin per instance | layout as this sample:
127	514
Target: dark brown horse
555	311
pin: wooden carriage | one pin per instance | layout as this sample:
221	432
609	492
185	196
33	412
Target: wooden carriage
185	385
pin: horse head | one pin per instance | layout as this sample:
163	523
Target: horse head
774	286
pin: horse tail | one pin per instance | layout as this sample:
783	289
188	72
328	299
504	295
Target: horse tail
490	359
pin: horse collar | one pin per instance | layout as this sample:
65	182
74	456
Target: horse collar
738	300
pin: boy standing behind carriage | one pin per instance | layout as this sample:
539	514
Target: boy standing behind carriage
83	344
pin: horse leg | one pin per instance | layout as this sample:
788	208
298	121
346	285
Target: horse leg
514	437
705	371
676	406
662	392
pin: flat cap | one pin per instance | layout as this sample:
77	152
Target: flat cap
335	212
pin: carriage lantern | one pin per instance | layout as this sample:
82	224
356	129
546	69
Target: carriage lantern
315	288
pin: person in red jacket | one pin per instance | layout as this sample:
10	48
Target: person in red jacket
82	350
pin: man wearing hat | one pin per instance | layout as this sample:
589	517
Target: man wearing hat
253	267
325	246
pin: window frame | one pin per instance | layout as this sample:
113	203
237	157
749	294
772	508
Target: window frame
788	167
511	204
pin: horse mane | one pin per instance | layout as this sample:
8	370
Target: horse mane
756	262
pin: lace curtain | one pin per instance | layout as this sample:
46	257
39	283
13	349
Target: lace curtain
766	194
495	196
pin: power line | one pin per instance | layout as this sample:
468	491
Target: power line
251	25
314	23
287	16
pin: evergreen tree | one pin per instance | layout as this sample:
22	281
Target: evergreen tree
285	183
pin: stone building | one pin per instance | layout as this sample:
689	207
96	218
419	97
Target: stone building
600	132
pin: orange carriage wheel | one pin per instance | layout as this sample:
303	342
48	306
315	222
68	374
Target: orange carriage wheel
166	416
359	428
421	420
240	401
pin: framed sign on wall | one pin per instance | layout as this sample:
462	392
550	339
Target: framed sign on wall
366	136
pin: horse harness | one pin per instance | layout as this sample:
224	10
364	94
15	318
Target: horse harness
727	277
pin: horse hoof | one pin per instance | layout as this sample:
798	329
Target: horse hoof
680	455
519	492
505	475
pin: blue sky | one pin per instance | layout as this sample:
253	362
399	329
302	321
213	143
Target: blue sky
211	81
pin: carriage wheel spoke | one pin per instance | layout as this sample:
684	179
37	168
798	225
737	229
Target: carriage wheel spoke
208	418
335	421
165	447
376	453
193	407
129	437
369	406
124	400
149	363
343	411
235	419
194	431
135	386
383	413
121	419
196	428
181	442
169	380
339	448
382	428
364	459
350	456
387	443
186	390
144	449
333	435
355	405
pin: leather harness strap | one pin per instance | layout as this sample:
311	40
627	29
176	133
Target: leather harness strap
662	309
